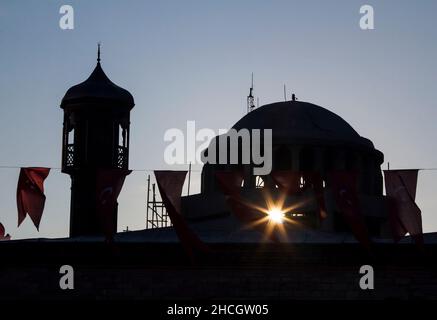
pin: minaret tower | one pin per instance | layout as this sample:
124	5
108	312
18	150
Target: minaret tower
95	136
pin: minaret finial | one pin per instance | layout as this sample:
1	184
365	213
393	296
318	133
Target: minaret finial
98	52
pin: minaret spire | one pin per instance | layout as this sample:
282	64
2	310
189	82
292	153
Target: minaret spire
98	52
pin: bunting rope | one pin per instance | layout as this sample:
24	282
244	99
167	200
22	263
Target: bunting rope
151	170
58	168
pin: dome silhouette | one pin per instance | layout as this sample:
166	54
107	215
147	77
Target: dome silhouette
98	87
295	122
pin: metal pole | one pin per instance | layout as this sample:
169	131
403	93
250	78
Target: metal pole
154	205
189	179
147	202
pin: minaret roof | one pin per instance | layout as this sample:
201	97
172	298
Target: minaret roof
96	88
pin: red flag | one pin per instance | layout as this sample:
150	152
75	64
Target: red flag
30	194
170	185
287	180
230	182
108	186
314	180
344	188
397	228
404	214
2	233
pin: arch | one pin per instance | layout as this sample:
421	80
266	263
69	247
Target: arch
122	136
259	182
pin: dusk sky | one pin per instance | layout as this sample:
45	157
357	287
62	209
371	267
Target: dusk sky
192	60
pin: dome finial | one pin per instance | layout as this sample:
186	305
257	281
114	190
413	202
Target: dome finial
98	52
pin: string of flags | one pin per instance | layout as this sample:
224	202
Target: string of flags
58	168
31	198
404	215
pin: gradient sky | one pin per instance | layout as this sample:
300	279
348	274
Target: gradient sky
192	60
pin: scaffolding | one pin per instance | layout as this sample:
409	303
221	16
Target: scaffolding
156	214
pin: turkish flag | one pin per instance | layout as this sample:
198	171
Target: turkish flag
170	185
2	233
314	180
30	194
397	228
404	214
109	183
230	182
344	188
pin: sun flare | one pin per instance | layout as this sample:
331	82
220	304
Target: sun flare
276	215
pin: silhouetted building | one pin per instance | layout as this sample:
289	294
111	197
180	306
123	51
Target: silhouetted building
314	261
95	135
305	138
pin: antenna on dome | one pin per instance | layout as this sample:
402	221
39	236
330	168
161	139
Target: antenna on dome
250	98
285	93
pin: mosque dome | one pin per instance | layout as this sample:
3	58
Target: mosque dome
295	122
305	138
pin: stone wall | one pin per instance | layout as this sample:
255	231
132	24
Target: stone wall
230	272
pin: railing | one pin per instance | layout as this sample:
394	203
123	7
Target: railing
122	157
69	156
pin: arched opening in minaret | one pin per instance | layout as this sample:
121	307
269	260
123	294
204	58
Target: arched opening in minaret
122	146
122	136
70	137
